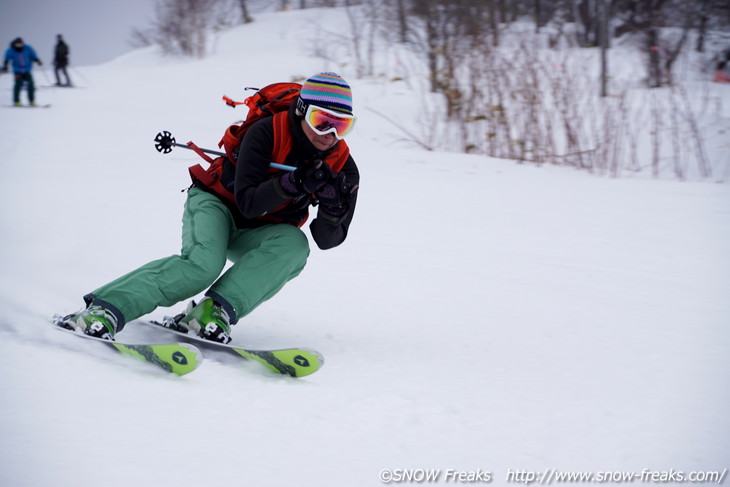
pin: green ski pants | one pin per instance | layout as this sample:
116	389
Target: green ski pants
20	80
264	259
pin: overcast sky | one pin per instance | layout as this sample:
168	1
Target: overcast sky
95	30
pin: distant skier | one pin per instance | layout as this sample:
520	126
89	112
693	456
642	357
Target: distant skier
60	61
22	56
256	225
722	68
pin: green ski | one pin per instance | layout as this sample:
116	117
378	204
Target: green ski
296	362
176	358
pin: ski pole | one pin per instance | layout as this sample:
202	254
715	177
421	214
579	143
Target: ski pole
45	75
80	75
164	142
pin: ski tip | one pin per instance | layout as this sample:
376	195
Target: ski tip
186	360
314	354
304	363
192	349
294	362
177	358
316	361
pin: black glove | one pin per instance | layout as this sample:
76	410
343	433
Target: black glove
5	68
335	196
39	62
308	178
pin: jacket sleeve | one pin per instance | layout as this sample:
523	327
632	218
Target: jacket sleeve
329	231
255	191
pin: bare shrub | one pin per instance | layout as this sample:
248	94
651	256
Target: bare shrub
543	106
184	27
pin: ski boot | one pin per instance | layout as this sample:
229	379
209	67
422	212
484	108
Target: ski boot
95	321
208	320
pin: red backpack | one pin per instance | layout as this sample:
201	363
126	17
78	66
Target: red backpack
264	103
267	101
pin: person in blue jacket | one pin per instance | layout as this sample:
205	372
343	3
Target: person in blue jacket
22	56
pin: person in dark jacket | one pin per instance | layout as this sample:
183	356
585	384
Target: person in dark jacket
22	56
260	233
60	61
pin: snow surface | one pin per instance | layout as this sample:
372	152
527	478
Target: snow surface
482	315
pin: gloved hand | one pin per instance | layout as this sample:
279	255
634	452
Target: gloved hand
40	63
4	68
335	196
308	178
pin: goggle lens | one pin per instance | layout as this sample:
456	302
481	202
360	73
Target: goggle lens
324	121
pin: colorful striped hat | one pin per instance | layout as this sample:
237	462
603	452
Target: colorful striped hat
327	90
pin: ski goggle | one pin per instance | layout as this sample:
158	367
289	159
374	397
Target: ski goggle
324	121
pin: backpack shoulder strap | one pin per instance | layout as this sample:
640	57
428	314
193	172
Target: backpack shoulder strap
339	156
282	138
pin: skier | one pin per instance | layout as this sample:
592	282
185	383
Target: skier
60	61
722	68
23	56
260	233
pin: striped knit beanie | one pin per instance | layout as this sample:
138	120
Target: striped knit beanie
327	90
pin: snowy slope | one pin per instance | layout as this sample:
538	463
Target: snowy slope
482	315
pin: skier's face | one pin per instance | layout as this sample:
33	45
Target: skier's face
320	142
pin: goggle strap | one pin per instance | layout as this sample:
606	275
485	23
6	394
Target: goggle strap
301	106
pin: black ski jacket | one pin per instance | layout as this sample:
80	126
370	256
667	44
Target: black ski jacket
258	193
